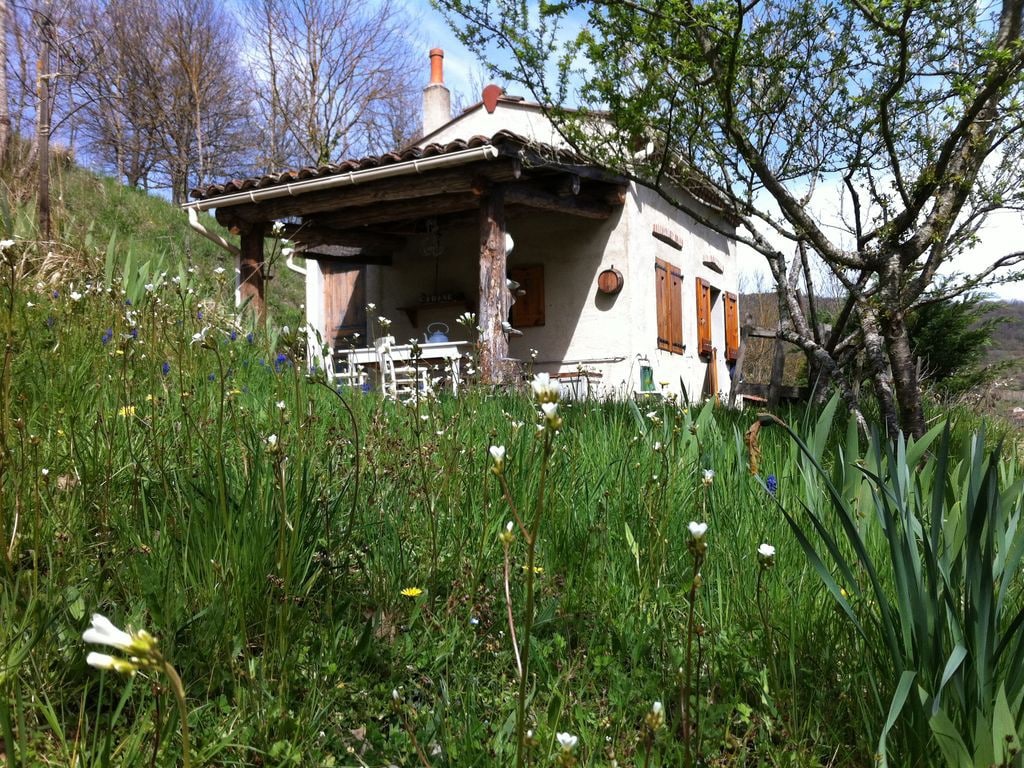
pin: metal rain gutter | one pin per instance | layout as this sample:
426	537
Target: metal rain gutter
407	168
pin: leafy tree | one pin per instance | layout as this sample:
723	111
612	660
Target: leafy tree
951	339
873	136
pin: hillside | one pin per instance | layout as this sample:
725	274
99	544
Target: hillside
89	210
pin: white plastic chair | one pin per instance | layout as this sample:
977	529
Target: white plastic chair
403	378
350	374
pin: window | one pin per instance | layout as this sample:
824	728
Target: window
732	327
528	310
703	317
669	295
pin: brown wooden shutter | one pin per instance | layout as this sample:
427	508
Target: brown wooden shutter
528	311
732	327
676	312
663	302
669	304
344	303
703	317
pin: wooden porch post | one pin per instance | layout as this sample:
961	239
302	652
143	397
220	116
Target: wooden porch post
250	269
494	294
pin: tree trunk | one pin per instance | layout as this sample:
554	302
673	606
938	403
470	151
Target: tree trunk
904	373
5	115
878	366
43	129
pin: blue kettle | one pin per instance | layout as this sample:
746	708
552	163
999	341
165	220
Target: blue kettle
437	333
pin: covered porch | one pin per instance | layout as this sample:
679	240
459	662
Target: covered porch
419	212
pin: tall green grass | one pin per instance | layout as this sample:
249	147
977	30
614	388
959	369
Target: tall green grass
272	570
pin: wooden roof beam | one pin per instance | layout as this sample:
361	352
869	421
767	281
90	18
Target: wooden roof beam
368	256
452	181
313	235
538	197
403	210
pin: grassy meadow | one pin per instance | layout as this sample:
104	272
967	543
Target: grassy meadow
333	578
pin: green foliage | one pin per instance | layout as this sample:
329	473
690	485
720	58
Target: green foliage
952	338
938	604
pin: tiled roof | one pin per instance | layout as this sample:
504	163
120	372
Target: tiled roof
506	141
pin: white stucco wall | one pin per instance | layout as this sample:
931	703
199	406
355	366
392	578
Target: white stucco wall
316	324
523	119
698	243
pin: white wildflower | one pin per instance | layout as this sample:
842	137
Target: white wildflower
566	741
544	389
498	456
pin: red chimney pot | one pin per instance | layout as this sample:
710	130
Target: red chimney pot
436	66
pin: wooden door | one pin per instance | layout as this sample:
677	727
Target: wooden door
344	304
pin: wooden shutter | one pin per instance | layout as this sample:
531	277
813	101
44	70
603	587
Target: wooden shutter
528	311
732	327
344	303
676	312
703	317
669	304
663	302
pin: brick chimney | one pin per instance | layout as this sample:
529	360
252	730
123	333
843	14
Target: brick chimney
437	100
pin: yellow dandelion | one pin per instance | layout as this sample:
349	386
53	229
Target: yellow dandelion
150	398
412	592
536	569
126	410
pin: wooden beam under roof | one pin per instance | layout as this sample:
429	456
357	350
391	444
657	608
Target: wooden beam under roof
534	196
403	210
356	258
313	235
452	181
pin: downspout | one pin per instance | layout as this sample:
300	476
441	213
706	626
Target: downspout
293	266
193	221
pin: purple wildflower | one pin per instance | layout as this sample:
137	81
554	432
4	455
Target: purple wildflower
772	484
165	368
107	336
